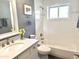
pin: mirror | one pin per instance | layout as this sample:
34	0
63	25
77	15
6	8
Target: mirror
5	17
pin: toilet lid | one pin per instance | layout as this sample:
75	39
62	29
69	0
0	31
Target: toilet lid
44	48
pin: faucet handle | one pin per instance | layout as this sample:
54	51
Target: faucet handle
7	42
12	41
3	45
42	38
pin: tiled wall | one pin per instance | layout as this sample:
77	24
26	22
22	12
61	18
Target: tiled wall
61	32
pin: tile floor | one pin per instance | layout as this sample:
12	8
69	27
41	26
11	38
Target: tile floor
53	57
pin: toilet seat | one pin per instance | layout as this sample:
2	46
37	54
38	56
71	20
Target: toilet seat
43	49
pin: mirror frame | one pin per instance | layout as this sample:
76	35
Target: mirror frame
14	20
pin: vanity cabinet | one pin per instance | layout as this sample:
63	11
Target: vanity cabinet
34	52
30	53
25	55
76	57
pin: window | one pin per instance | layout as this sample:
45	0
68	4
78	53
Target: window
58	12
63	12
53	12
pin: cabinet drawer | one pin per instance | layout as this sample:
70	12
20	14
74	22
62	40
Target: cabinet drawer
34	52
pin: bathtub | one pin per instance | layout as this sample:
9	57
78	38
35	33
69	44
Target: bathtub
63	52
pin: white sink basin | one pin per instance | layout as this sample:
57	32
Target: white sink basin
11	49
16	48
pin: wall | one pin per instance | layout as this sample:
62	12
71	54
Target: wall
23	20
61	32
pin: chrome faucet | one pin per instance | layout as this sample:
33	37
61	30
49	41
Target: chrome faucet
3	45
12	41
8	42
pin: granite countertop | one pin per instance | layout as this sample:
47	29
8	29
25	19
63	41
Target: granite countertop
10	53
7	35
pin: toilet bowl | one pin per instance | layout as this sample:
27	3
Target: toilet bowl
43	50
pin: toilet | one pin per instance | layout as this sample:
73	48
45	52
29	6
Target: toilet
44	50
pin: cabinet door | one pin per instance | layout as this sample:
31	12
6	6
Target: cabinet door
75	57
34	52
25	55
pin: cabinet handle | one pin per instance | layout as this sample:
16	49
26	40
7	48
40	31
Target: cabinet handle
34	47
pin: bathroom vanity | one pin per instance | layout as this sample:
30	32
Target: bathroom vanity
30	53
20	49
